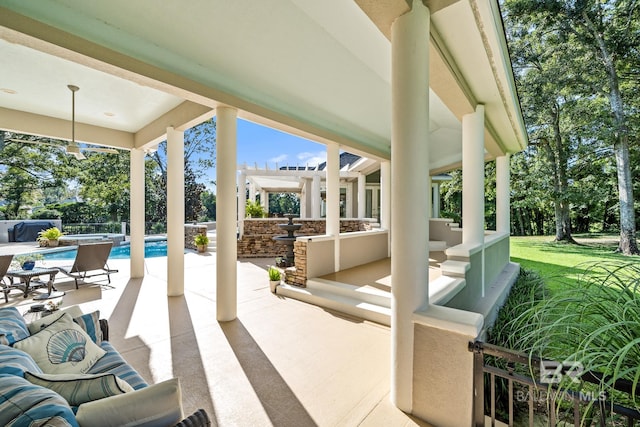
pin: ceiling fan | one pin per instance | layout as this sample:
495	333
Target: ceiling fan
72	147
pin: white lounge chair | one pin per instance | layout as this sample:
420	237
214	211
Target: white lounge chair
91	261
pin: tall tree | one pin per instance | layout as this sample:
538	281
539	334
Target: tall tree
26	170
610	32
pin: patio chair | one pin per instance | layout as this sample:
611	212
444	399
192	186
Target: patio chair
91	261
5	263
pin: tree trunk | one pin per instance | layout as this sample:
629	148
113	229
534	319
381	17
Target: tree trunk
628	244
558	158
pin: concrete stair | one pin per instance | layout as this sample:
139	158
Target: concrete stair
364	301
359	301
212	246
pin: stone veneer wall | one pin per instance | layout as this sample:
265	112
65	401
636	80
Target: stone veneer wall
297	275
190	232
257	241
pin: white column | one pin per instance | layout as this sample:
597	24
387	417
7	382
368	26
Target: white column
264	200
242	201
333	199
503	194
473	177
316	197
362	195
136	209
385	200
303	198
226	206
252	192
175	212
435	204
409	181
348	206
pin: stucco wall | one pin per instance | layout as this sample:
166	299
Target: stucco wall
443	366
362	248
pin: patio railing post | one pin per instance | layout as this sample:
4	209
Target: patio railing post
478	383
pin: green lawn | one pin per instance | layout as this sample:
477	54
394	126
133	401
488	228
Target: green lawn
559	264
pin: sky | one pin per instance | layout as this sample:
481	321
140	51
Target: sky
257	143
263	145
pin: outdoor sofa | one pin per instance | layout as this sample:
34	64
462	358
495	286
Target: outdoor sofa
61	370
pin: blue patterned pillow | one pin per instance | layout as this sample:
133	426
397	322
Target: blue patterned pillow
91	324
25	404
16	362
12	326
113	363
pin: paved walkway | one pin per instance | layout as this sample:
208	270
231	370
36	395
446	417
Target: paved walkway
281	363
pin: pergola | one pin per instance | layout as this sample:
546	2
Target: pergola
423	87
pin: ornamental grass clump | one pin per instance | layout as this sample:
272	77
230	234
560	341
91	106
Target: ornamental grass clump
595	325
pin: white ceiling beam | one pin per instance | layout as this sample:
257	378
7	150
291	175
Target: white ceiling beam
50	127
183	117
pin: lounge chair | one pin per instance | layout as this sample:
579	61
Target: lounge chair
91	261
5	263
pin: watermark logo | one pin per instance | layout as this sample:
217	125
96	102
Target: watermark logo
552	372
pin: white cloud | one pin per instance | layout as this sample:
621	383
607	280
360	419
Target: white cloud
312	159
279	159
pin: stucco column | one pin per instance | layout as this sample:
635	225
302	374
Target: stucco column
435	202
303	198
385	200
252	192
136	209
362	195
242	201
264	200
316	197
226	207
503	194
348	205
410	186
175	212
333	199
473	177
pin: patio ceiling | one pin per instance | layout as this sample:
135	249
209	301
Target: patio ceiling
320	70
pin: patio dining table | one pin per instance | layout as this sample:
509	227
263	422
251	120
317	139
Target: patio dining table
28	280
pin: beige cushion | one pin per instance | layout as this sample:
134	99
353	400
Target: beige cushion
80	388
154	406
62	348
41	323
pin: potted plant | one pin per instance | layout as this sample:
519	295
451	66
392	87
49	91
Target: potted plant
274	278
49	237
201	241
25	261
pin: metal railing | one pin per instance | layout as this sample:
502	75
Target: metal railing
519	373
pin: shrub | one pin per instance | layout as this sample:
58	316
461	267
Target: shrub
255	210
596	323
47	214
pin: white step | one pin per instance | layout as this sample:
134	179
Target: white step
364	302
341	303
455	268
444	288
437	245
361	293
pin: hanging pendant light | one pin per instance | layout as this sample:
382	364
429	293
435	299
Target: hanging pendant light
73	148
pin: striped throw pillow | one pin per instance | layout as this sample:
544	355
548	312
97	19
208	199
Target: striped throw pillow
80	388
26	404
12	326
16	362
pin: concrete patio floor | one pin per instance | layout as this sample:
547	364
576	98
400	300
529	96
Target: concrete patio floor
280	363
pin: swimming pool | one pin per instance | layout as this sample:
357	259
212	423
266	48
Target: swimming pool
152	248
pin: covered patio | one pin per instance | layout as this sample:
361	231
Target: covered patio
422	86
281	363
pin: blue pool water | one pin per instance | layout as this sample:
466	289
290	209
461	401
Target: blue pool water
154	248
